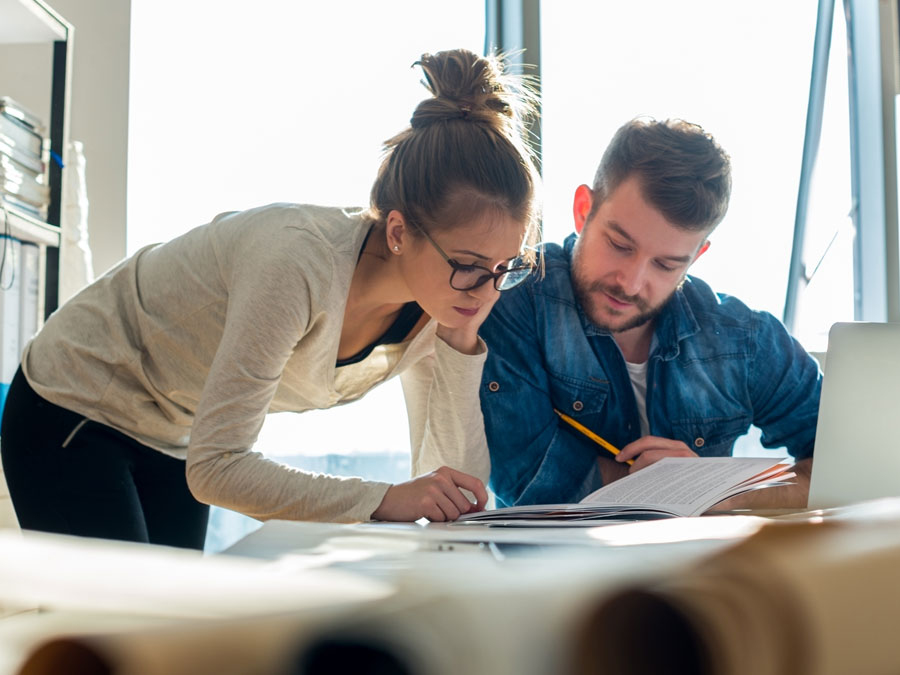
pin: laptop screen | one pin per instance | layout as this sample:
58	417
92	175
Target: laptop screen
857	450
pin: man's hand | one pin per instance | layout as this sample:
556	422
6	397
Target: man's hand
792	496
435	496
649	449
611	470
644	451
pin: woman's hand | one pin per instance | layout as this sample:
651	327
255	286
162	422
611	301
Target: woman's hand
435	496
465	338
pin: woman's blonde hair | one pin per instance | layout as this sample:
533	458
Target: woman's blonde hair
465	153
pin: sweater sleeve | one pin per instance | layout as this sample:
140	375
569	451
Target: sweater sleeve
272	295
445	422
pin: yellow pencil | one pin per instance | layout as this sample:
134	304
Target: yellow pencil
590	434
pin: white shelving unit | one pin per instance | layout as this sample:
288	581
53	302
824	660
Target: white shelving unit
25	22
22	23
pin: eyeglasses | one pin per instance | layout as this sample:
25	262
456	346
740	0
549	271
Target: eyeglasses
470	277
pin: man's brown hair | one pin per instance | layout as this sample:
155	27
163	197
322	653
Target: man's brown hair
683	172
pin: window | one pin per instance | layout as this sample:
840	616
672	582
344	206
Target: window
742	71
237	104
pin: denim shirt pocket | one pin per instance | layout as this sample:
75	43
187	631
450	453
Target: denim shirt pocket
578	396
529	466
711	437
565	468
515	415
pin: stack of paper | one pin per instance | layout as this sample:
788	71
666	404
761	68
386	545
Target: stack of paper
23	169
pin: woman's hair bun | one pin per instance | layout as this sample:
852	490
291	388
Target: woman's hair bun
474	88
466	155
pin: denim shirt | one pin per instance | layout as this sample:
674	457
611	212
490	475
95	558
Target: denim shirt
715	368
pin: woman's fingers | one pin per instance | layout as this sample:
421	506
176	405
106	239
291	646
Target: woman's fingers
436	496
470	483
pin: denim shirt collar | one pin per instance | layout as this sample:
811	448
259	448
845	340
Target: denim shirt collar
676	321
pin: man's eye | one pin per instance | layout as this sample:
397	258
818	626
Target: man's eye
664	267
617	246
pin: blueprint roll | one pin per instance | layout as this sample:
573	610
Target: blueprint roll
349	655
124	608
262	645
407	636
820	597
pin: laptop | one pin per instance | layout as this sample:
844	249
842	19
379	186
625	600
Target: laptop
857	450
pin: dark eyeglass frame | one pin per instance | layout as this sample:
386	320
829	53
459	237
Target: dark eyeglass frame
487	275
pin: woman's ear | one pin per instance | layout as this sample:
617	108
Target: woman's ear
395	232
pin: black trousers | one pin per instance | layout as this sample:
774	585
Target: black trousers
73	476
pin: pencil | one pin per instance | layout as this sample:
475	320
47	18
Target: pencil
590	434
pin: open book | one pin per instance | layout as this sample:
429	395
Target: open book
674	486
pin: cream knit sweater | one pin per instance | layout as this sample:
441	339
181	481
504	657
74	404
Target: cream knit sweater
186	346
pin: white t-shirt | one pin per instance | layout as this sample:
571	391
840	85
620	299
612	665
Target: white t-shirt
638	374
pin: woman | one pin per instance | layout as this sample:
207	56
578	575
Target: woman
138	402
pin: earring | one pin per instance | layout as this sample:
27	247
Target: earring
396	248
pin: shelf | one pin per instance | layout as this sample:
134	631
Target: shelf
28	228
28	21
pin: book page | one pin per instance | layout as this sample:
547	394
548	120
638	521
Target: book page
682	485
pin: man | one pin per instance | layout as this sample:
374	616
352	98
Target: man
617	337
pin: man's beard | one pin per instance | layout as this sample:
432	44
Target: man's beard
586	292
